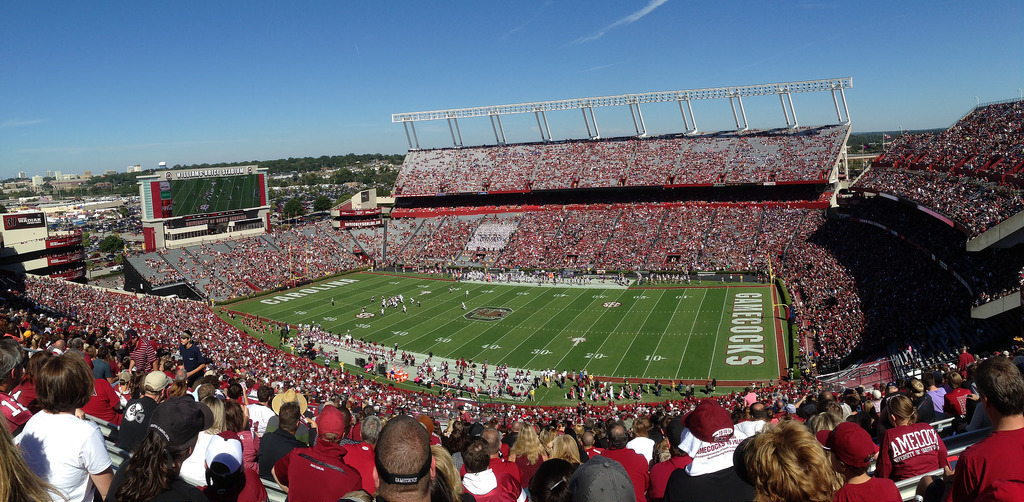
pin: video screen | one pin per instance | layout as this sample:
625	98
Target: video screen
208	195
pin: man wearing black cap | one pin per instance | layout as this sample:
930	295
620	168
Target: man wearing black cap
404	466
191	357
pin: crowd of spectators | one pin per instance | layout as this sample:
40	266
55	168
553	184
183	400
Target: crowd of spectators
986	134
976	204
803	154
243	266
260	412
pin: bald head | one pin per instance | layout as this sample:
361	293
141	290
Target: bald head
493	438
403	448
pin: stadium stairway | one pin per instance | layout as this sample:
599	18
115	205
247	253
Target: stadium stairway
270	243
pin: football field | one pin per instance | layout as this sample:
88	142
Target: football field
207	195
725	331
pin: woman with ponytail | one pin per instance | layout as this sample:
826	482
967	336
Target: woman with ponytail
151	474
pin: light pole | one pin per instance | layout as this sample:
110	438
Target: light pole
977	102
1020	93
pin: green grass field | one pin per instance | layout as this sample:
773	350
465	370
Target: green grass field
728	332
216	194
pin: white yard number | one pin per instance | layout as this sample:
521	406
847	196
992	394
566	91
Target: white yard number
442	340
541	352
491	346
600	296
399	333
330	318
364	326
653	358
639	297
300	312
592	355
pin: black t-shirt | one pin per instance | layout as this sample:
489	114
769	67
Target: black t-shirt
179	490
135	423
713	487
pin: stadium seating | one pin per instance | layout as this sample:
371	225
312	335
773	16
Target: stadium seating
784	155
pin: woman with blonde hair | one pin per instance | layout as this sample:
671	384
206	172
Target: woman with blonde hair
547	437
527	453
446	485
785	463
566	448
193	469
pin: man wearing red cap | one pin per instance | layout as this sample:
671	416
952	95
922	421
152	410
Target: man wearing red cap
710	440
851	451
320	472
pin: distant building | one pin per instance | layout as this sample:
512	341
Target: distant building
37	181
21	175
30	248
87	174
49	174
137	168
109	172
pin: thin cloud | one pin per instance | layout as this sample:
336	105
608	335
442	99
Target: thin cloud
600	67
535	15
20	123
630	19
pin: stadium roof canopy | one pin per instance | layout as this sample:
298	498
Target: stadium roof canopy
734	94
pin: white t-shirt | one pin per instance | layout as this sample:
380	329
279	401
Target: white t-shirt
643	446
260	415
193	469
64	450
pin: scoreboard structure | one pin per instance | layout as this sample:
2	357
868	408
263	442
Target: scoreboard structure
190	206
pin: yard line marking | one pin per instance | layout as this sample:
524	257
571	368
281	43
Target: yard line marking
718	332
662	337
631	342
687	345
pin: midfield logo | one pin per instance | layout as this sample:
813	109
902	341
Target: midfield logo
488	314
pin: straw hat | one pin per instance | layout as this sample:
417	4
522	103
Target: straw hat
288	396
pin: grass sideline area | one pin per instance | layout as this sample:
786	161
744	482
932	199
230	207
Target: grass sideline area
725	331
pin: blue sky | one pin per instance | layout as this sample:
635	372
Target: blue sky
103	85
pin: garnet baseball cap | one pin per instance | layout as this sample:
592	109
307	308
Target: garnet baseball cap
709	422
224	454
709	439
180	420
851	444
331	420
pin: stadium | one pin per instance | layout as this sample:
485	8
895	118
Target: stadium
597	277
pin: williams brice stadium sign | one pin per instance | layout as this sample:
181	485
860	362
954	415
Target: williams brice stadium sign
185	174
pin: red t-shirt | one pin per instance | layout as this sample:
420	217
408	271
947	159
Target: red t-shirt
910	450
636	467
101	404
999	457
26	395
360	457
955	402
874	490
661	472
14	412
